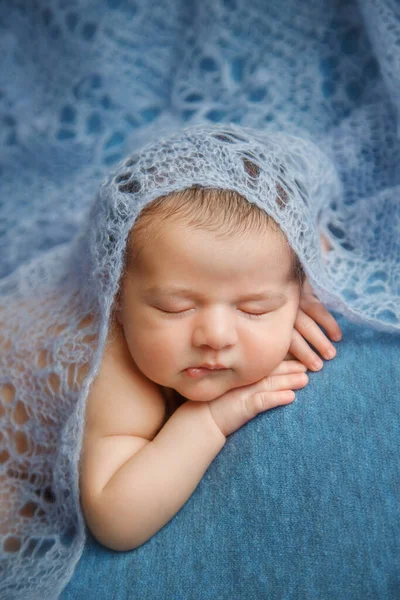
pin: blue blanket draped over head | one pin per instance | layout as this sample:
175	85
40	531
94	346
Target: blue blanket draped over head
85	82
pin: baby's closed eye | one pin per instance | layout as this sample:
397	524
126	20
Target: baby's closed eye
250	312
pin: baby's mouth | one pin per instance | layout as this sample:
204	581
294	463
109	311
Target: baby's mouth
202	371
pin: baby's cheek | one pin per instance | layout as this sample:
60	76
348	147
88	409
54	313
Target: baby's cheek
271	350
155	354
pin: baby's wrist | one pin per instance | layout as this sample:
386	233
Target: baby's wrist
202	414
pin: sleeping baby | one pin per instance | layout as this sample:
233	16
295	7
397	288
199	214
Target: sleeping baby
211	312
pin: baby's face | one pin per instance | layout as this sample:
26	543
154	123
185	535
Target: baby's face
193	301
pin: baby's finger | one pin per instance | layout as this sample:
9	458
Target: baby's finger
291	381
304	353
309	329
289	366
317	311
263	401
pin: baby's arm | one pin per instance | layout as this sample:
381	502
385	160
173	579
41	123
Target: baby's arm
155	481
135	471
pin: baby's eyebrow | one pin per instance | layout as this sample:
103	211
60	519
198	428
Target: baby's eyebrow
265	295
157	290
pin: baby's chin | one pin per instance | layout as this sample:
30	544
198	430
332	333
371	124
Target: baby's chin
206	392
202	396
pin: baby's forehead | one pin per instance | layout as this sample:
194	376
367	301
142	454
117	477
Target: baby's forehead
205	250
174	227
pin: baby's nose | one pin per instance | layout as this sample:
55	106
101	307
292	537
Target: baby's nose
216	329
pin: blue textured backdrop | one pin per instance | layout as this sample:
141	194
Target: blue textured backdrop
302	503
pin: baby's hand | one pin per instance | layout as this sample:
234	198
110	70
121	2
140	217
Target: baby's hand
312	311
238	406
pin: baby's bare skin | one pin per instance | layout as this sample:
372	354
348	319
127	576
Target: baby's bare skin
147	445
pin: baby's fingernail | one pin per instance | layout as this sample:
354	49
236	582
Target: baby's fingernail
337	337
331	353
317	364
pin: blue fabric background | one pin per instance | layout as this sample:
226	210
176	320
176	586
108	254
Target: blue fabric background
302	503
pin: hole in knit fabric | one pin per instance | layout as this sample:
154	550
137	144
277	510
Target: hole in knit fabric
71	20
88	31
251	168
12	544
238	138
48	495
43	359
132	187
4	456
5	344
71	375
45	546
21	442
90	339
56	329
282	197
68	536
94	123
224	138
86	321
377	276
17	474
229	4
301	190
54	382
208	64
68	114
30	548
20	415
47	16
7	392
336	231
29	509
131	161
34	478
122	177
83	370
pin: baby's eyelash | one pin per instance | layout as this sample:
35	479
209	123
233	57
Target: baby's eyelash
174	313
253	315
181	313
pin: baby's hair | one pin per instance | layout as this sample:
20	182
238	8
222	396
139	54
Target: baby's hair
223	212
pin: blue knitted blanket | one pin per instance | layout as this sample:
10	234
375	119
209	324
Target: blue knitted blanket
308	91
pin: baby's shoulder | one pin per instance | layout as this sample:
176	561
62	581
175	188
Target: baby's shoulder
121	400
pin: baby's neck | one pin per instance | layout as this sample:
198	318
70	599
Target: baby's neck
173	398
